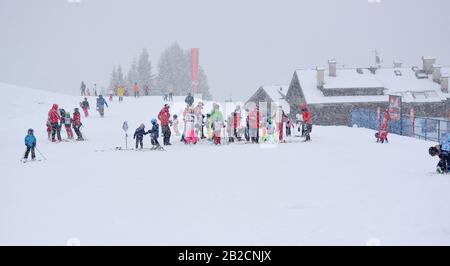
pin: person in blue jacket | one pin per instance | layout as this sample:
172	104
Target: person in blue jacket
443	152
154	133
101	102
139	136
30	142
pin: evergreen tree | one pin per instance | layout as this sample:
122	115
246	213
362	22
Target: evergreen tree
173	71
144	70
132	75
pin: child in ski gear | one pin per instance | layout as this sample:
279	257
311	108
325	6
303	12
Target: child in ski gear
271	136
288	127
198	111
49	130
230	128
208	127
175	125
190	127
189	100
54	118
68	125
237	122
382	134
30	143
253	125
101	102
85	106
164	117
76	123
154	134
307	121
217	123
139	136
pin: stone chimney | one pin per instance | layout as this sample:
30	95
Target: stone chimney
437	73
444	83
398	63
320	77
332	67
428	63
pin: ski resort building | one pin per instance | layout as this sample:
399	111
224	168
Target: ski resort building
272	95
332	93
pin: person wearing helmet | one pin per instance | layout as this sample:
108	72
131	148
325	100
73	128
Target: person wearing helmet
54	118
76	124
139	136
30	143
85	106
101	102
68	125
176	125
154	134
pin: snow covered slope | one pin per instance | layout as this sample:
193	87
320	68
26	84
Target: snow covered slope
341	189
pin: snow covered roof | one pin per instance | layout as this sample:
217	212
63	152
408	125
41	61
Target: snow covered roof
277	94
398	81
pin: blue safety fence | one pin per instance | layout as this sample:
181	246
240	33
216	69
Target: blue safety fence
432	129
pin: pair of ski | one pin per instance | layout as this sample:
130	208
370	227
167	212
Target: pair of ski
30	161
154	148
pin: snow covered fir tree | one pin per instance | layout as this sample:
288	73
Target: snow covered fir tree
173	74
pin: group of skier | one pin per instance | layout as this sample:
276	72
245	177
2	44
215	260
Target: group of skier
59	118
196	125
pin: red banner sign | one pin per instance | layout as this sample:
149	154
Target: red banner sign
195	63
395	107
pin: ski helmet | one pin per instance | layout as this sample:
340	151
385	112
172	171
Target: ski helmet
433	151
30	131
76	110
154	121
67	114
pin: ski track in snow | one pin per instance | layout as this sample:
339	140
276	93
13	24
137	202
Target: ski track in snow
341	189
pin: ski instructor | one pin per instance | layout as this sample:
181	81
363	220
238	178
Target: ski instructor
164	117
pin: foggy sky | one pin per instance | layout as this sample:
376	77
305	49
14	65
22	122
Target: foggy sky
53	44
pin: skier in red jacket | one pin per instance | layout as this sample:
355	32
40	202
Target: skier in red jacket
237	122
307	120
164	117
76	124
54	118
382	134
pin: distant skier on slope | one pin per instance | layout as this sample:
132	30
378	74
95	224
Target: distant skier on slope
83	89
307	120
101	102
54	118
85	106
382	134
443	152
136	90
237	123
189	100
139	136
30	143
76	124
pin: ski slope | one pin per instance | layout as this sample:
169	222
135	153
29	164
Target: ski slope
340	189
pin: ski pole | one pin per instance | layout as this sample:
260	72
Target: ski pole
41	153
